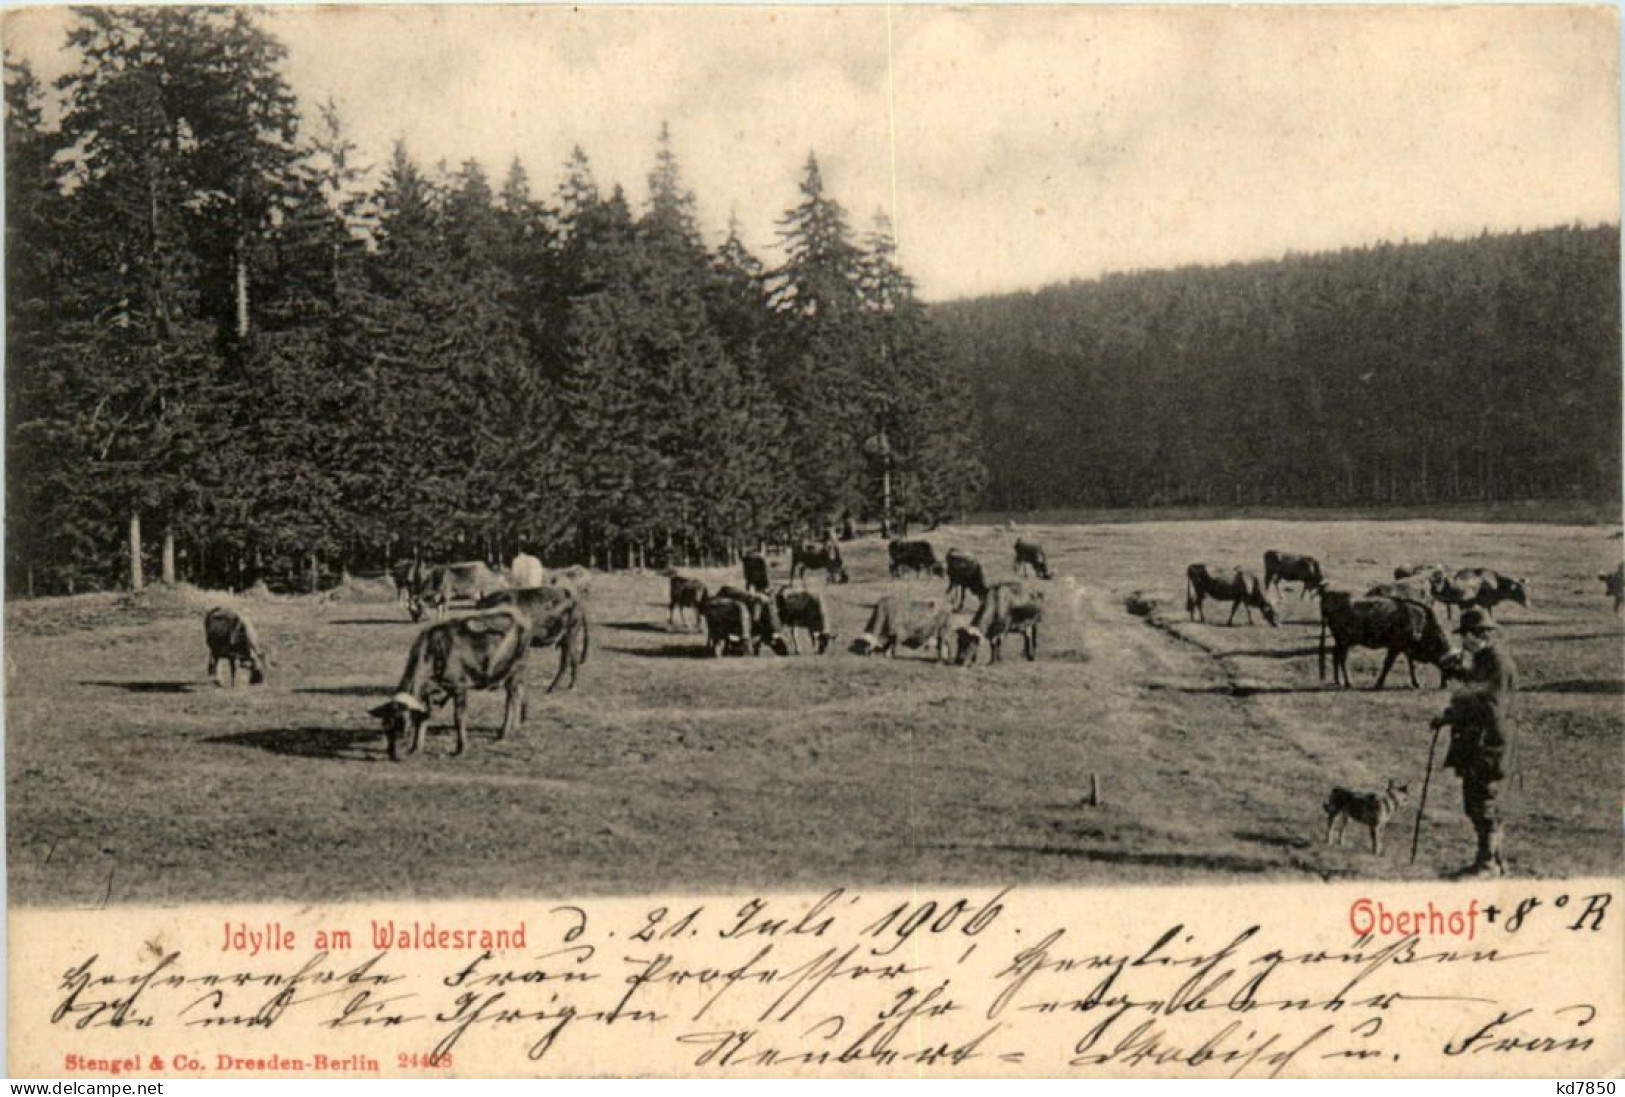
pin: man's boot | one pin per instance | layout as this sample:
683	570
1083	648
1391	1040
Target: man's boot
1487	861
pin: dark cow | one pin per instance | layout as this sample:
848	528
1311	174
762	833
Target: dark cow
826	556
917	556
686	593
764	619
803	609
1614	584
1237	585
1007	608
727	626
232	639
1399	625
912	624
1031	554
473	580
756	577
557	619
1282	567
1480	588
447	660
1418	588
965	575
408	576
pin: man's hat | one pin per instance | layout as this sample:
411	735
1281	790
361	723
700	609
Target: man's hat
1477	620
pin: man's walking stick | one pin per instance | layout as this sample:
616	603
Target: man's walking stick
1422	804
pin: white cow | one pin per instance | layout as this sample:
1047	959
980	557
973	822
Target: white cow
527	572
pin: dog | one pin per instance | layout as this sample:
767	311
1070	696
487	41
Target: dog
1373	809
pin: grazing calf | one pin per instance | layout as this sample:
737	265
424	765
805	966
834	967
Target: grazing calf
1399	625
913	624
965	574
764	619
1008	608
557	619
686	593
1614	584
756	577
473	580
803	609
826	556
917	556
447	660
1031	554
727	626
1237	585
526	571
1480	588
232	639
1282	567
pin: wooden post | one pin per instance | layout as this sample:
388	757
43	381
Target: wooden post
169	556
135	551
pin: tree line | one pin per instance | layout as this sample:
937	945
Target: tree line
1481	369
235	351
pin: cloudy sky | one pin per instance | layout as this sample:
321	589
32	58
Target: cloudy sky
1011	147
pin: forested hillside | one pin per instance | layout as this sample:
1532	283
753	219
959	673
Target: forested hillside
233	351
1486	369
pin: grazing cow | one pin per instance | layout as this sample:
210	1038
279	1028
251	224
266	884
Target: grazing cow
232	639
1614	584
1031	554
1418	588
764	619
472	580
917	556
826	556
557	619
447	660
965	575
803	609
1007	608
1282	567
408	576
686	593
756	577
913	624
1237	585
526	571
727	626
1400	625
1480	588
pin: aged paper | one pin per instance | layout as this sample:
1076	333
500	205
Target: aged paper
1517	980
673	871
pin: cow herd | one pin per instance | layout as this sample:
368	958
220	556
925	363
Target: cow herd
743	621
1398	617
521	608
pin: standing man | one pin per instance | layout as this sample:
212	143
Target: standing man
1481	735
